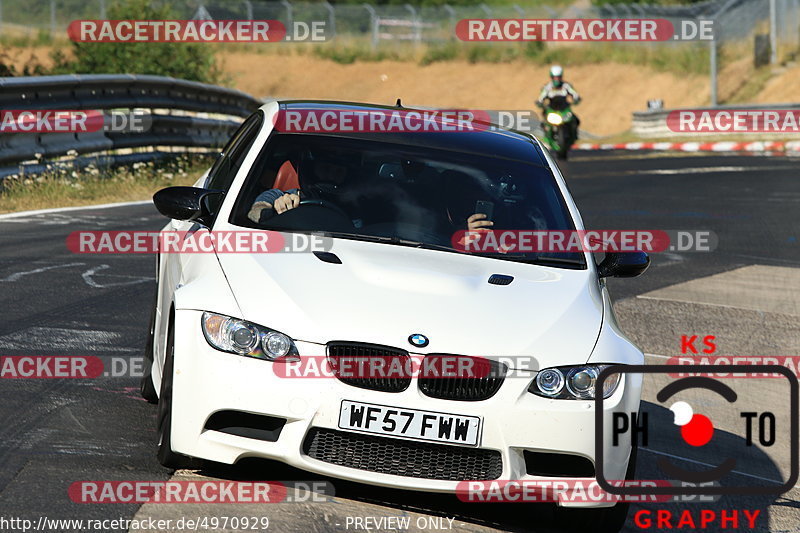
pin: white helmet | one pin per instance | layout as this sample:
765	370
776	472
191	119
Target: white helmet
557	75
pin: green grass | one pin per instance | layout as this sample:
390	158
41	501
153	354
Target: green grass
682	59
24	40
685	58
350	53
63	188
439	53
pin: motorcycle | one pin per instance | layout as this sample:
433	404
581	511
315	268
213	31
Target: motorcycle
560	126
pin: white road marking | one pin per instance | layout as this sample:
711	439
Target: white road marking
660	356
689	301
60	220
88	277
696	170
64	339
68	412
7	216
17	275
762	258
672	258
770	289
703	170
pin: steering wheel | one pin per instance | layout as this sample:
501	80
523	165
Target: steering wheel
324	203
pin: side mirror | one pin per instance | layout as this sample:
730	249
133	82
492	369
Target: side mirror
185	203
623	264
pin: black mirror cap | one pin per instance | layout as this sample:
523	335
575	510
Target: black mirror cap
183	203
623	264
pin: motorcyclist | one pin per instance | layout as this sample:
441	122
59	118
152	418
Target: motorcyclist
558	87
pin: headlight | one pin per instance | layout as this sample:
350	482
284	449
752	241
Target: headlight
550	382
573	382
245	338
580	382
554	119
277	344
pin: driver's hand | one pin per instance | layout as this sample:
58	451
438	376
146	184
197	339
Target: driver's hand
286	202
476	221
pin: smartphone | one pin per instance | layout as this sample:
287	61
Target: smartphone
487	208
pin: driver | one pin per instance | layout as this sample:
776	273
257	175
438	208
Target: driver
334	175
275	199
283	201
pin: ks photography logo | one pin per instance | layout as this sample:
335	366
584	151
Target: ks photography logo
696	430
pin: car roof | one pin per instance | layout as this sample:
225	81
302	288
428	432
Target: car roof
492	141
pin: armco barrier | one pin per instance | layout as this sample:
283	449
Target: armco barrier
654	123
161	97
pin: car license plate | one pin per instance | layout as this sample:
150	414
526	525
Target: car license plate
410	423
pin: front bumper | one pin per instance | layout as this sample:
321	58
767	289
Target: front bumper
207	381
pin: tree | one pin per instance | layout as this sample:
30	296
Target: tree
191	61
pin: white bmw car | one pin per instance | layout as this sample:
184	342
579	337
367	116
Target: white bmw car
390	285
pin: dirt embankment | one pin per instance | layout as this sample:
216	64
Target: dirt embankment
610	92
782	88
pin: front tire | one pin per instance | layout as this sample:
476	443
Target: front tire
563	143
166	456
146	387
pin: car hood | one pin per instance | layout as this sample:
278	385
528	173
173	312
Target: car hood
383	293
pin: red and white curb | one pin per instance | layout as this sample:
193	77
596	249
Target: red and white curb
724	146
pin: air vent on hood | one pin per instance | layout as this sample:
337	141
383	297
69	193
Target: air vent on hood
328	257
500	279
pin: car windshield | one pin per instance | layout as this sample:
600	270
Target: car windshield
400	194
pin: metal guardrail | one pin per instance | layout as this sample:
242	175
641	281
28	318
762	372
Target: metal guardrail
654	123
22	152
32	153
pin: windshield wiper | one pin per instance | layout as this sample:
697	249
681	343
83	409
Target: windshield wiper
389	240
356	236
545	260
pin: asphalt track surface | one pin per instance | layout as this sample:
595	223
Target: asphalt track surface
54	432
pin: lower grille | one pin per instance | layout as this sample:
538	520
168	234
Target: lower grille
549	464
370	366
402	458
261	427
481	381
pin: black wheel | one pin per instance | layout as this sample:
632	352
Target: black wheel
146	387
563	143
166	456
607	520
